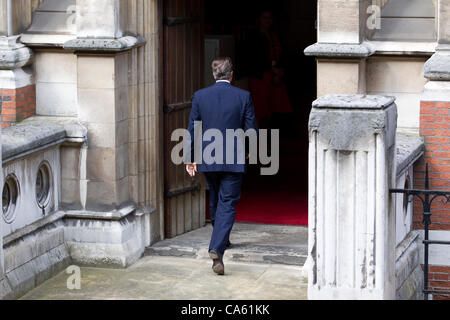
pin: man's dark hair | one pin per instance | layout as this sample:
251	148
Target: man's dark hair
222	68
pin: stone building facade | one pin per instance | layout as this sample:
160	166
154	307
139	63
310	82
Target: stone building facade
83	141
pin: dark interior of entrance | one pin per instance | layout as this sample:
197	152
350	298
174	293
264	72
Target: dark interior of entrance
230	28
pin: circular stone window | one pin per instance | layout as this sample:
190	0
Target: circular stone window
10	196
43	185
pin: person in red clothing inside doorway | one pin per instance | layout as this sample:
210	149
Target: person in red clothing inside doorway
266	72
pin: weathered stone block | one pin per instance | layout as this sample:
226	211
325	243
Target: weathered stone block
97	105
70	194
106	243
104	69
340	77
339	21
99	20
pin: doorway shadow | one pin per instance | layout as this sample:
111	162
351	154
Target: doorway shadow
283	198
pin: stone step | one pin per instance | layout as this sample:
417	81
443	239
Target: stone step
251	243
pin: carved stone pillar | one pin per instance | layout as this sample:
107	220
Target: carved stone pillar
104	55
352	222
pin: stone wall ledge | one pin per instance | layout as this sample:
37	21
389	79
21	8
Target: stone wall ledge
340	50
39	133
409	150
353	101
408	274
46	40
104	45
32	228
404	48
114	215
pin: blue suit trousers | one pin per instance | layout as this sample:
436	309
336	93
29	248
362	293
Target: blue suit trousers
225	193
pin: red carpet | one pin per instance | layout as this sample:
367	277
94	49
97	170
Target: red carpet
280	199
272	207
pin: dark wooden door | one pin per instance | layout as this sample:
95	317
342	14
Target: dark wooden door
183	75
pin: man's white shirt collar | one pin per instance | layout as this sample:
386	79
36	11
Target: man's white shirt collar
223	81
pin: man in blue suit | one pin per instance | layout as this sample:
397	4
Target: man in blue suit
221	108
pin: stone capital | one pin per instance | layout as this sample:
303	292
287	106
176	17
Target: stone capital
13	54
437	68
370	115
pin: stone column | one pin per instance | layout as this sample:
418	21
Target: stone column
103	109
17	86
341	51
103	60
434	128
352	221
110	214
438	67
435	110
16	15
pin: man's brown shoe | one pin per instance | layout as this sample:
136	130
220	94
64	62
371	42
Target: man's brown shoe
218	266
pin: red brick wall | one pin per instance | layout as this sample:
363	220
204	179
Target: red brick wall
17	104
439	279
435	129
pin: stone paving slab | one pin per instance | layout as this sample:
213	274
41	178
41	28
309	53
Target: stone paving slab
171	278
252	243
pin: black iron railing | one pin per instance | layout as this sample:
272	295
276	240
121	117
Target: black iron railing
427	197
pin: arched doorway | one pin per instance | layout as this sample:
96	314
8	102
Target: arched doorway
195	32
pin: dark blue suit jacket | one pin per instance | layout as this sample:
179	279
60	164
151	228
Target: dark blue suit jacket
221	107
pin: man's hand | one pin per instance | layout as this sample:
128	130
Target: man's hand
191	169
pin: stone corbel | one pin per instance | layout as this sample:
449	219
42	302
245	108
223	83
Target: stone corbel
340	50
437	68
105	45
13	54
